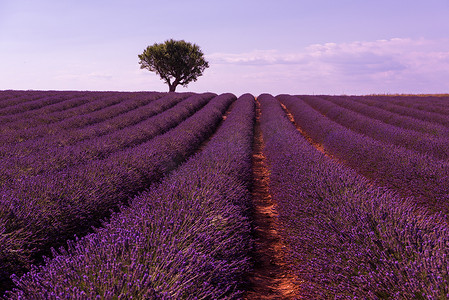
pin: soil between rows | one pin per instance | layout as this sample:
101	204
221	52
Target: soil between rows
271	277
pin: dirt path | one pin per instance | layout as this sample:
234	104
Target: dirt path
371	180
271	278
224	117
316	145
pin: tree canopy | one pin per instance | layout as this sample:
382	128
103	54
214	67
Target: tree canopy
176	62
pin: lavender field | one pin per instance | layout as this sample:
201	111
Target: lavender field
148	195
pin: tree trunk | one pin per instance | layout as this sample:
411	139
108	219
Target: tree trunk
172	86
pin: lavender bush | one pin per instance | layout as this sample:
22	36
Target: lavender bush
12	97
98	147
186	238
430	103
48	209
347	238
389	117
437	147
438	113
100	107
39	107
410	173
76	129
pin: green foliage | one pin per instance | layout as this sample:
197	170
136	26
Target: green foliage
176	62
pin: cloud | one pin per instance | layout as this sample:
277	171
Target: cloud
369	57
394	55
98	75
257	57
79	76
393	65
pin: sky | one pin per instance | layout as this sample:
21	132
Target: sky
351	47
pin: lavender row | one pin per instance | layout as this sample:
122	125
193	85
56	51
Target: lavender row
42	106
75	129
149	101
428	144
35	100
63	138
44	211
95	110
52	159
347	238
389	117
10	98
7	97
435	103
409	172
44	116
431	117
187	238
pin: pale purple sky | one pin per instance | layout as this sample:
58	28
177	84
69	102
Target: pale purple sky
278	46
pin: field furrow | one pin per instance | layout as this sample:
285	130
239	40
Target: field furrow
148	195
431	117
348	238
407	172
271	277
57	158
94	111
35	109
437	147
185	238
425	103
389	117
74	130
44	211
12	98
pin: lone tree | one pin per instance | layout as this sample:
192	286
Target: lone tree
176	62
